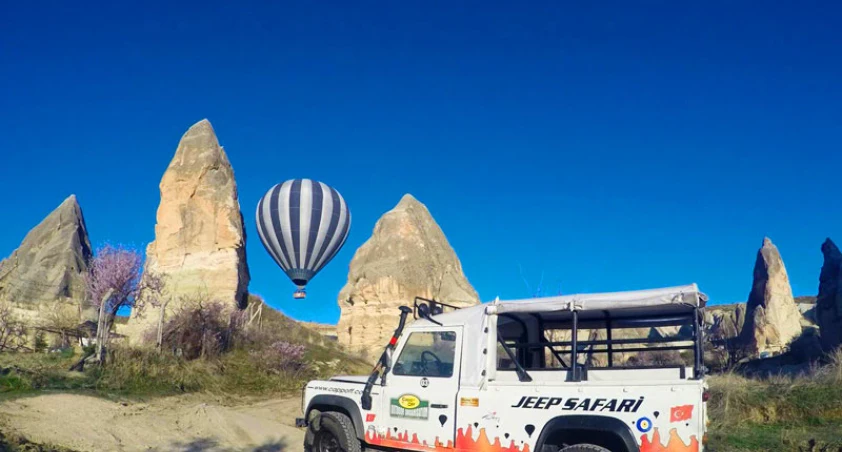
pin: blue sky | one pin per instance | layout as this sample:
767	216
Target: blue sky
610	146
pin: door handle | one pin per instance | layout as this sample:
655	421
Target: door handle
438	406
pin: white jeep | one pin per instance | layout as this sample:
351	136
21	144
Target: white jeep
612	371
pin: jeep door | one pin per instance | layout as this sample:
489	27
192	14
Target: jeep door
420	392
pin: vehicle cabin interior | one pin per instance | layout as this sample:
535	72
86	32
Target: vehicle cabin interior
427	354
605	345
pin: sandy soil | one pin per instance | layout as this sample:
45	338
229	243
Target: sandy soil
188	423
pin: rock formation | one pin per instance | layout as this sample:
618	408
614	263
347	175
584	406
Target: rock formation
725	322
200	240
772	319
406	256
50	263
828	311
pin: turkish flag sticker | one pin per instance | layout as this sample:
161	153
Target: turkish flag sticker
681	413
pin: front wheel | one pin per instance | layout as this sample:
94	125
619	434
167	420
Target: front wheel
333	432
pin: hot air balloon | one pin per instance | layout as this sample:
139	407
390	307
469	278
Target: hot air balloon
302	224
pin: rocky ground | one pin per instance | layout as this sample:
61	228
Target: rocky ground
184	423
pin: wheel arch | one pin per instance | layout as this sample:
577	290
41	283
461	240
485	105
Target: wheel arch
578	424
327	402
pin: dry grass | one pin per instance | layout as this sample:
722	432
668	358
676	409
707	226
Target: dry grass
143	372
777	413
17	443
241	368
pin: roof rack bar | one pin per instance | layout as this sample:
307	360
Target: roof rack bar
622	350
659	340
619	322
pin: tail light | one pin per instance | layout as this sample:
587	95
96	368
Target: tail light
705	439
705	395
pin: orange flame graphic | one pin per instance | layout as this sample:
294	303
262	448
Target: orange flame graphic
464	441
675	444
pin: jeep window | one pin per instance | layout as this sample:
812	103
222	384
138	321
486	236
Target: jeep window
427	354
617	339
503	360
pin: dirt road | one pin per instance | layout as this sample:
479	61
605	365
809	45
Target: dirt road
187	423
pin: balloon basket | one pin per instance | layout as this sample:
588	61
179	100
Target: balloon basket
299	294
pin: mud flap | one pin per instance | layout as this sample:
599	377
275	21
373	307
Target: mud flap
312	428
309	439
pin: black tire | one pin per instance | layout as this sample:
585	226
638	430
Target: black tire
331	432
584	448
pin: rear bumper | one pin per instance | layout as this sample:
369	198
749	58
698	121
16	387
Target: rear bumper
300	422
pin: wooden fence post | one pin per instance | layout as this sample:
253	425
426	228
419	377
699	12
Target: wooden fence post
159	341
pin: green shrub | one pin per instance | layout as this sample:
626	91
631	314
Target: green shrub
40	343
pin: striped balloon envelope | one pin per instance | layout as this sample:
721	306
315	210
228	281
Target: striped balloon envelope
303	224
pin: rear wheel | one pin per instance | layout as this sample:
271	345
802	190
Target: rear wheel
331	432
584	448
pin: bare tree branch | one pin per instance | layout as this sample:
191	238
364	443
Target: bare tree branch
116	280
523	277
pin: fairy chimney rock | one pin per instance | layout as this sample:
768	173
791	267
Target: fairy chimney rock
50	263
725	322
200	240
829	301
407	256
772	318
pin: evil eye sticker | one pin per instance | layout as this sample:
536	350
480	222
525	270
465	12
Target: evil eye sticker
644	424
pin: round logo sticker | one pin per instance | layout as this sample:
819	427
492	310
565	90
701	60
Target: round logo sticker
644	424
408	402
425	382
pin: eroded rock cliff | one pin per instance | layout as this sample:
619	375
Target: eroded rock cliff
200	240
407	255
773	320
50	263
828	311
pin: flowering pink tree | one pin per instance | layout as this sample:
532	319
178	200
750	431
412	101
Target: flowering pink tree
115	280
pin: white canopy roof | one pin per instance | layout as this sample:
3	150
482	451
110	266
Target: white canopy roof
665	299
688	295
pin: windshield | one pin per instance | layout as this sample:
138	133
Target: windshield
427	354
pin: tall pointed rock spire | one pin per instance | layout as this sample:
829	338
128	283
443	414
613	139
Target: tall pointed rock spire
772	318
829	301
51	261
407	255
200	238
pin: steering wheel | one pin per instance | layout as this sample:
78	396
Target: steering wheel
435	359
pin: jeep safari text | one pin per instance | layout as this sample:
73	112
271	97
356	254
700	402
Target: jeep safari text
611	371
